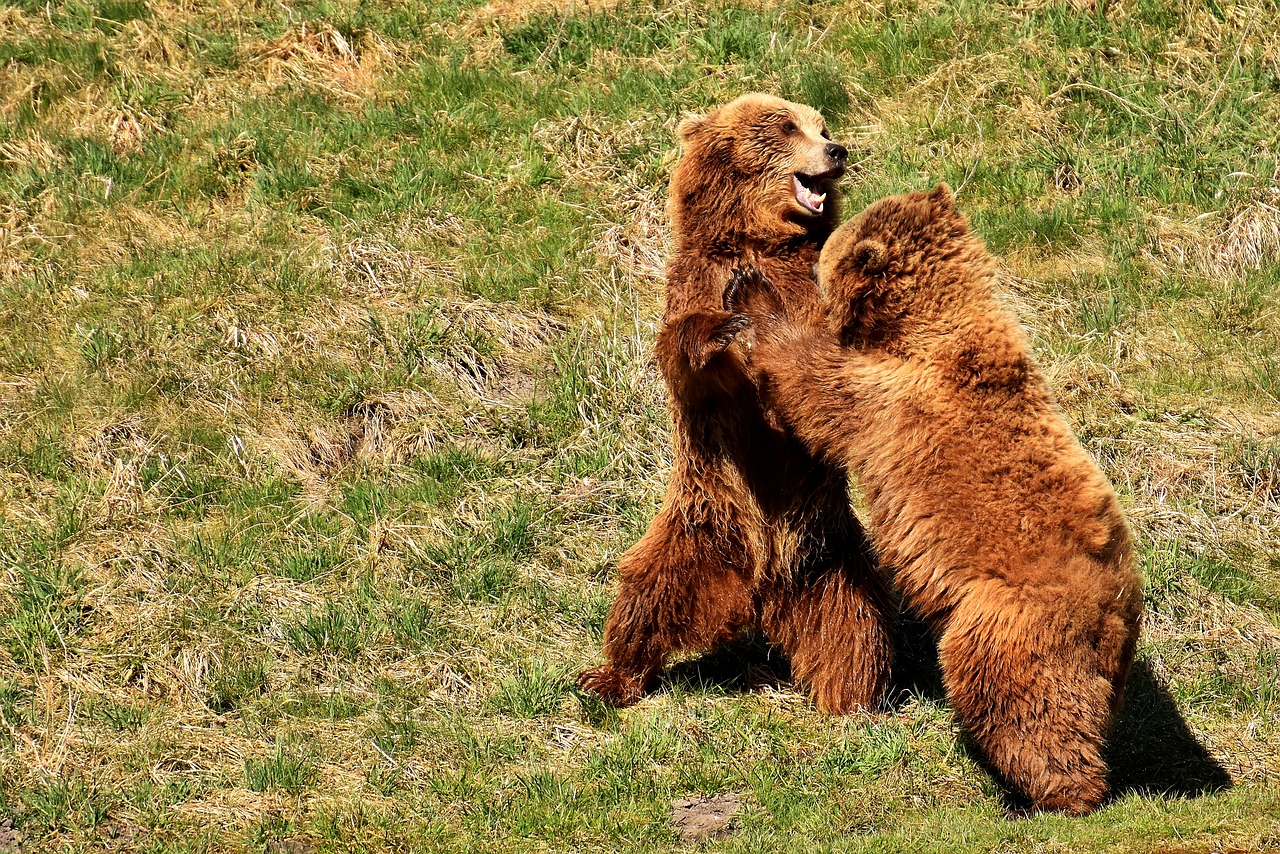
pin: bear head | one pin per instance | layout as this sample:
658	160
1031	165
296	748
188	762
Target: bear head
757	170
903	263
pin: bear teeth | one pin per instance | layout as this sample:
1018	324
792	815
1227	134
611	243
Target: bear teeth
807	198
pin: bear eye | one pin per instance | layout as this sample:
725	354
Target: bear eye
825	135
789	127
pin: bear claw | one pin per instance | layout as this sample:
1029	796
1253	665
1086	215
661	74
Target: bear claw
611	687
749	293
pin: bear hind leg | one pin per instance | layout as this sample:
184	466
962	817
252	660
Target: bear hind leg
1027	691
836	630
676	592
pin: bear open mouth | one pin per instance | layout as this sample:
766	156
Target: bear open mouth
806	188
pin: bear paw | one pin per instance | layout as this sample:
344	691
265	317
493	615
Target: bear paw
611	687
749	293
705	335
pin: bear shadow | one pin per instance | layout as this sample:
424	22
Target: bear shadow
750	663
1151	752
916	672
746	664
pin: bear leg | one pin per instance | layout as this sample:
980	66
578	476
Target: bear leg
676	592
1025	684
836	628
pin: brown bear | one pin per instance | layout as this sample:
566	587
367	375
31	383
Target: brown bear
755	533
1001	531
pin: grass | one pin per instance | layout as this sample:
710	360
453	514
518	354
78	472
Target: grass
325	338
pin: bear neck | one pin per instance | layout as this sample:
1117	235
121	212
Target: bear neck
734	244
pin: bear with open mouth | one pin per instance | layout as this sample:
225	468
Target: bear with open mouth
756	532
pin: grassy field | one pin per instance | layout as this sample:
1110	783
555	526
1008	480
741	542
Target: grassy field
326	409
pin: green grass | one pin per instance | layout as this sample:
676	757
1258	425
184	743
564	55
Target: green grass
288	769
325	338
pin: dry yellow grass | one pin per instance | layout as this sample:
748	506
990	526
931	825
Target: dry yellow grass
328	400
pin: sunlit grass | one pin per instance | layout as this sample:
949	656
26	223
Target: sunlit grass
328	408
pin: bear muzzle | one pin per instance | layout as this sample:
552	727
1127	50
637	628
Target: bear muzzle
811	187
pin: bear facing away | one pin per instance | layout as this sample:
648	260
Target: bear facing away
999	528
755	533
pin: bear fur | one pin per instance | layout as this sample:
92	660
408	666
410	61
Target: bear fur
1000	530
755	533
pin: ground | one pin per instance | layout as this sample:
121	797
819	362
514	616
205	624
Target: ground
328	409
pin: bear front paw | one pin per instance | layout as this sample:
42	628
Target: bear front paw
706	335
611	687
727	330
749	293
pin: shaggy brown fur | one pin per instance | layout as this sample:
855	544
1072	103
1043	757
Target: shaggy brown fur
1001	530
755	533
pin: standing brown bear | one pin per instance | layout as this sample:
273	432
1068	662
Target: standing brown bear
1002	532
755	533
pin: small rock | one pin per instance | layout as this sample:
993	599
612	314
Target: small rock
702	819
291	846
10	838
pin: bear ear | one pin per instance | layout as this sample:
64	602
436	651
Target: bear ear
942	197
870	256
691	126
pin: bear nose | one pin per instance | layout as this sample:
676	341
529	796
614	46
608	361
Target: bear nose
837	152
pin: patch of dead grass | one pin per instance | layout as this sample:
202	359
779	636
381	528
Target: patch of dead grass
33	152
486	351
319	55
152	50
507	12
381	269
1222	245
379	432
116	450
587	147
632	248
486	374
